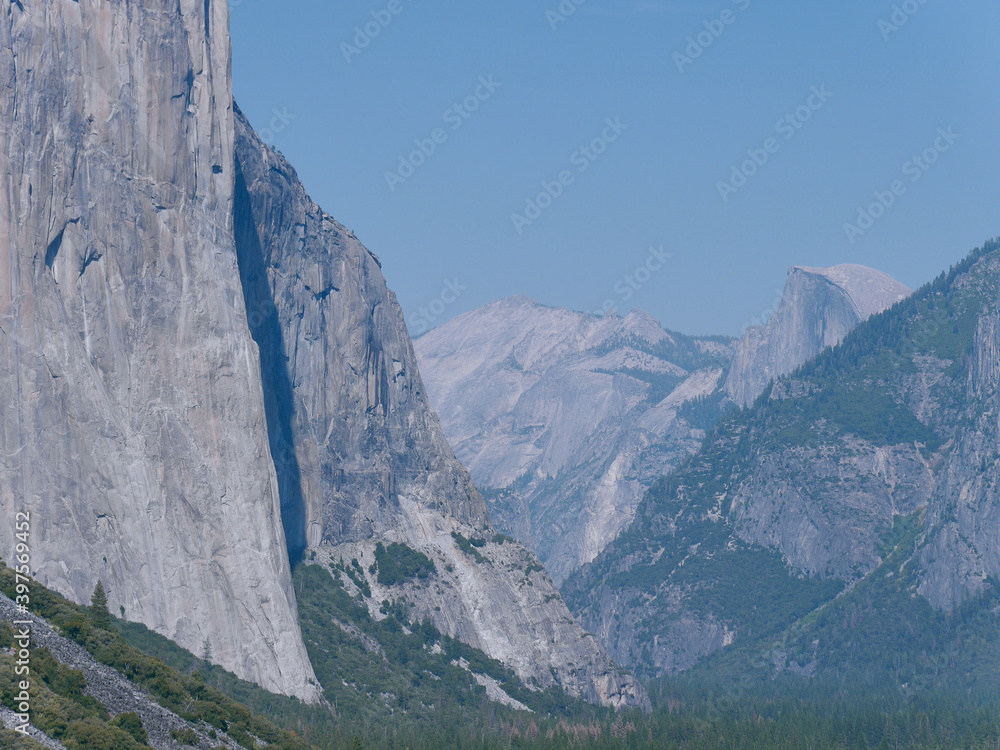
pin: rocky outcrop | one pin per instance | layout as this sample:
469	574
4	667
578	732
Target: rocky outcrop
825	508
360	454
819	306
133	425
565	419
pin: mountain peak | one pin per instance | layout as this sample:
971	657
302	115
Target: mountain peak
870	290
819	306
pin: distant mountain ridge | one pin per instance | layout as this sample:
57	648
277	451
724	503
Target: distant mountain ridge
566	419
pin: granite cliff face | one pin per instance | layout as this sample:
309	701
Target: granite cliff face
803	496
565	419
133	425
819	306
360	455
962	552
351	430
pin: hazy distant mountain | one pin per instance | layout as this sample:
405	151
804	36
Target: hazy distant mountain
819	306
565	419
847	521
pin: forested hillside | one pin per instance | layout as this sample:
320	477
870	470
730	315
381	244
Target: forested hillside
210	706
880	449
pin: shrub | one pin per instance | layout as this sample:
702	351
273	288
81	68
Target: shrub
131	723
398	564
185	736
468	546
11	740
93	734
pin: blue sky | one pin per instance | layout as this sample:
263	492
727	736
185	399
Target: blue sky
692	90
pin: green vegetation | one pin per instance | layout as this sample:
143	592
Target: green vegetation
397	564
869	412
62	709
886	670
184	736
706	709
99	615
883	638
132	724
313	723
704	412
11	740
534	567
754	589
791	712
356	574
92	734
469	546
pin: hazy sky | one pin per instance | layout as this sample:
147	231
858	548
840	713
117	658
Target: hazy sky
634	114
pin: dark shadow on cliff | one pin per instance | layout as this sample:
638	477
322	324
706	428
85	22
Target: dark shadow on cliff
265	328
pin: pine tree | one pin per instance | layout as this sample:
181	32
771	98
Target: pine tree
99	614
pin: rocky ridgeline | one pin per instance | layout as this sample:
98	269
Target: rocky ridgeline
565	419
